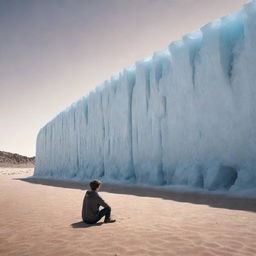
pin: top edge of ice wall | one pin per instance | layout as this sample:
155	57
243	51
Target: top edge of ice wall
184	116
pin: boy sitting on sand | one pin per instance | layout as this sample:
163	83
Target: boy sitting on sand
92	202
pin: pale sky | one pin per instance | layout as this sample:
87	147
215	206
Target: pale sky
52	52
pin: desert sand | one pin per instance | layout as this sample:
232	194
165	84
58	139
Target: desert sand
43	217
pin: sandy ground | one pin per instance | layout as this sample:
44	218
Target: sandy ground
42	217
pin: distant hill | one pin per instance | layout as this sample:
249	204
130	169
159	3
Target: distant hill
8	159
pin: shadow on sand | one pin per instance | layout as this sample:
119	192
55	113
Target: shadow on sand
81	224
213	200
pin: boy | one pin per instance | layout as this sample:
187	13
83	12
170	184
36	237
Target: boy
92	202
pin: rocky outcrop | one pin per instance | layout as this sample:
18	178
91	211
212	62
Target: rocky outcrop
8	159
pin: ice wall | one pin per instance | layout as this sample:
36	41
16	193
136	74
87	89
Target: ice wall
185	116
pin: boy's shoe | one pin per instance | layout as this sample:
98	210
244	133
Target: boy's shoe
109	220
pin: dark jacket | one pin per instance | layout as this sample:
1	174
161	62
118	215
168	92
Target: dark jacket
92	202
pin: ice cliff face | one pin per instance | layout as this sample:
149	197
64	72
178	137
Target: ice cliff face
185	116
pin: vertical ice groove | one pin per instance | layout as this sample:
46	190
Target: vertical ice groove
161	172
160	75
147	82
132	81
193	41
231	31
184	116
86	112
104	134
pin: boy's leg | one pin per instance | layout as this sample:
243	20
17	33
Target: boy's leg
104	212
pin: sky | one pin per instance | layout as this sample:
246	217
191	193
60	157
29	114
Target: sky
53	52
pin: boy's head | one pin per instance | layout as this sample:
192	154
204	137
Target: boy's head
95	185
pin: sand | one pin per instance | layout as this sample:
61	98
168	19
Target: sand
43	217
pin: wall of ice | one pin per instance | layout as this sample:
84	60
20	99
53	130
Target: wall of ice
185	116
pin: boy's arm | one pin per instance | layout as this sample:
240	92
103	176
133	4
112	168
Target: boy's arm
102	202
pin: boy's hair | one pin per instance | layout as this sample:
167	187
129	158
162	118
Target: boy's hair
94	184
